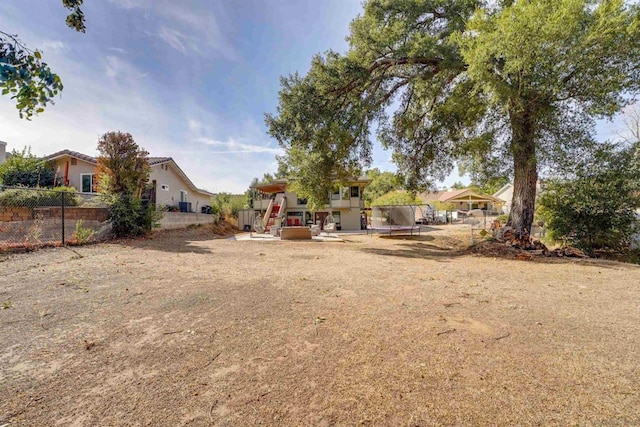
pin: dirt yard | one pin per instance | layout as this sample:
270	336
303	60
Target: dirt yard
185	329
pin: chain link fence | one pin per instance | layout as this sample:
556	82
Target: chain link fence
33	217
480	219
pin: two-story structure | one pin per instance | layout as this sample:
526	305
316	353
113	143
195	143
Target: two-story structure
345	204
168	184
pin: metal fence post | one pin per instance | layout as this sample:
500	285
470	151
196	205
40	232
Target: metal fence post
62	204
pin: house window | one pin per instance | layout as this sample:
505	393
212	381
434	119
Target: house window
183	196
345	193
336	194
301	202
88	181
355	191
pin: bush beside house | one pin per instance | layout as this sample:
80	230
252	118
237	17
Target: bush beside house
598	208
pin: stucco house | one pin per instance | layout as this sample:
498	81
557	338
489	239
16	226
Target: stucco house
345	204
506	194
169	185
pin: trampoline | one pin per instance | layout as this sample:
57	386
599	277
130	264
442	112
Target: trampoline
398	219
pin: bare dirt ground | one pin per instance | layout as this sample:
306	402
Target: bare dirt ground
184	329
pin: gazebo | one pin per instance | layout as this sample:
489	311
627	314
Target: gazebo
465	199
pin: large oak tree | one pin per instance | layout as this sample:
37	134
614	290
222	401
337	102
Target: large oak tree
503	87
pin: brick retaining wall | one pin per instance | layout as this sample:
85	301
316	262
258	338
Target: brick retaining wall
10	213
83	213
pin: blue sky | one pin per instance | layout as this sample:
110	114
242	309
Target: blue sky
189	79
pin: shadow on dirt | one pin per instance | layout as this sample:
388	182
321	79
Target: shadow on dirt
418	251
420	238
190	240
493	249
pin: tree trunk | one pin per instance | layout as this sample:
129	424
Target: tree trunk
525	167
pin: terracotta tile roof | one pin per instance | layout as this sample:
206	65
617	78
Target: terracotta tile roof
158	160
70	153
90	159
431	196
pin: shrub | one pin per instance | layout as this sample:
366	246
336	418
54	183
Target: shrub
38	198
82	234
228	205
596	209
128	216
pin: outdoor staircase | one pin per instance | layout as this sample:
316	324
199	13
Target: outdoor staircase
276	210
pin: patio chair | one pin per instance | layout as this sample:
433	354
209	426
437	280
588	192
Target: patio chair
258	225
329	225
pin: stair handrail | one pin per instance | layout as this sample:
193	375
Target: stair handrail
267	214
283	207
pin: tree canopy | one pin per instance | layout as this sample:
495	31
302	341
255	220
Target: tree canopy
123	174
123	166
381	184
396	197
25	169
23	74
505	88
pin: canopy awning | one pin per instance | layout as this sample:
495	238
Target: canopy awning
271	188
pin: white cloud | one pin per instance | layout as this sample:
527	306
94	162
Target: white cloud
130	4
231	146
194	125
174	38
52	46
110	69
118	69
185	27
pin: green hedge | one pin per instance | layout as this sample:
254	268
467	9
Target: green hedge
31	198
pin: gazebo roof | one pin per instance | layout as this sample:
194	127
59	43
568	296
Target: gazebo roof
463	195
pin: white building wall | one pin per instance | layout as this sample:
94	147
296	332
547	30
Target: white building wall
172	220
507	196
3	152
166	175
350	219
75	171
